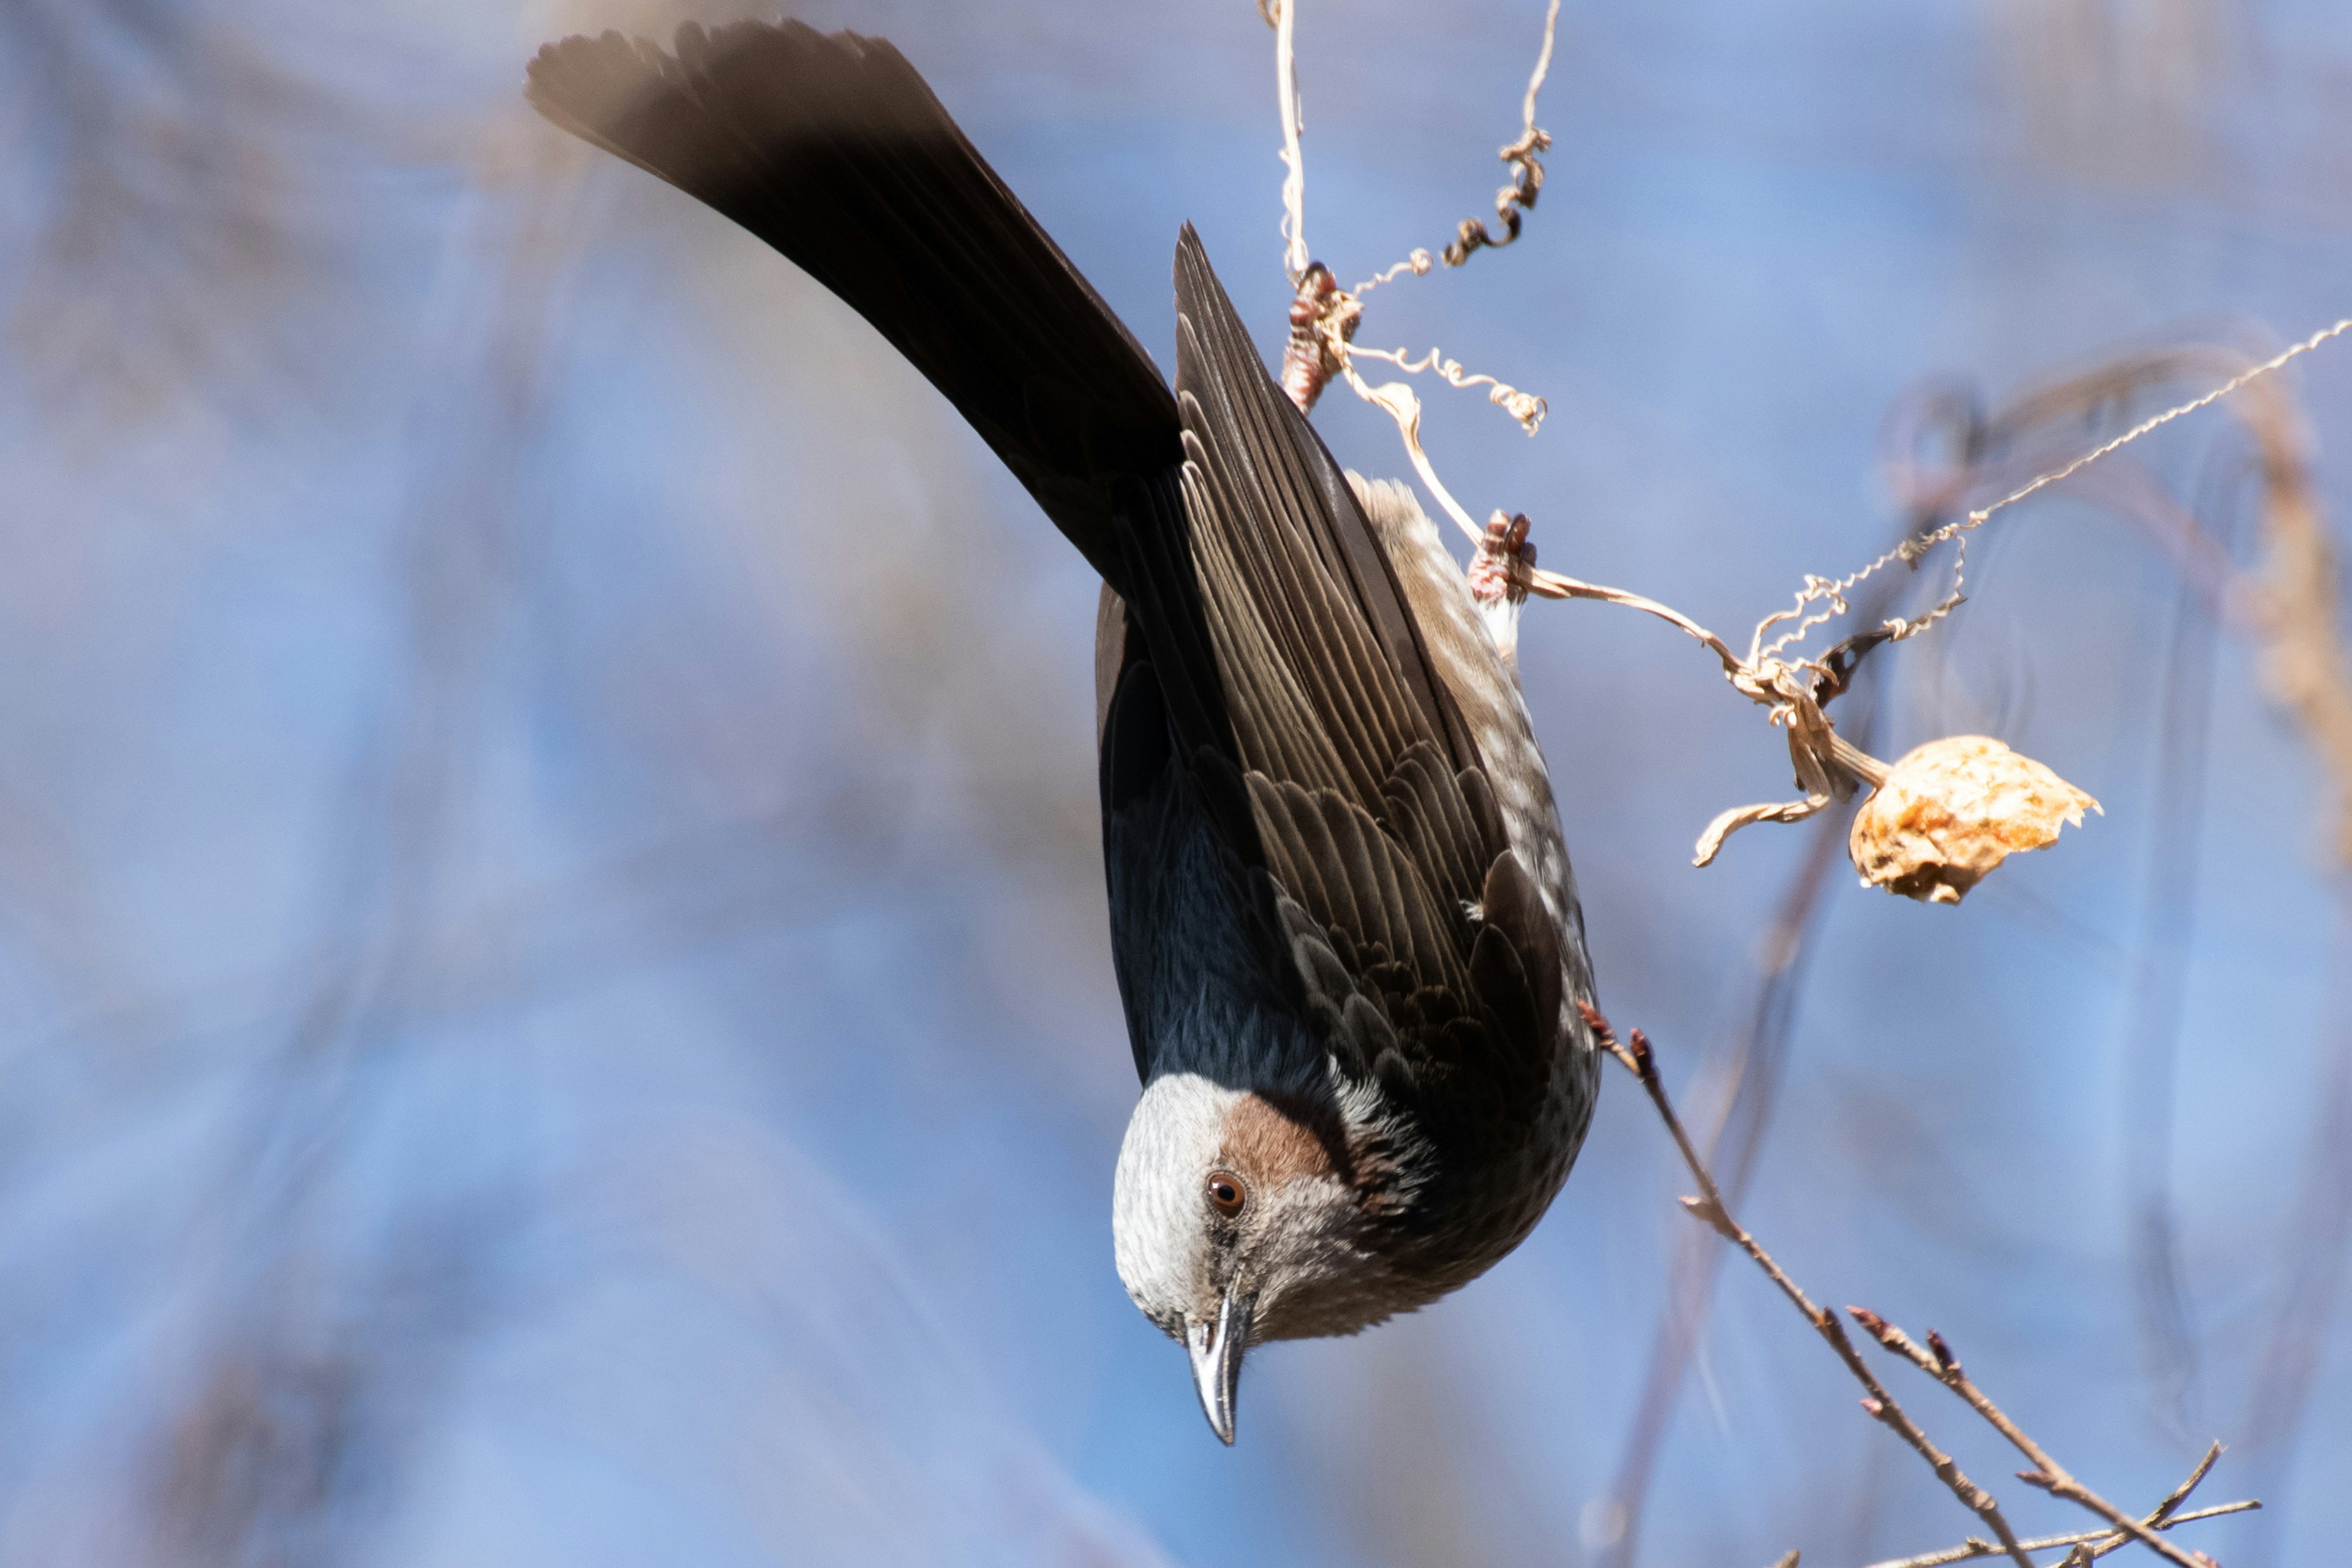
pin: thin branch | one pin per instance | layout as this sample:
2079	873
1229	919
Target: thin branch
1709	1206
1937	1360
1747	1073
2101	1541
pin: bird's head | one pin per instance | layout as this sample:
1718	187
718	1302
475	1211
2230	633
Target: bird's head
1240	1217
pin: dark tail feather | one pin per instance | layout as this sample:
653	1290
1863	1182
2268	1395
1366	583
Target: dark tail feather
832	150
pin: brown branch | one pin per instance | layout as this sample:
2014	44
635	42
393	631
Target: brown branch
2089	1545
1752	1065
2101	1541
1709	1206
1937	1360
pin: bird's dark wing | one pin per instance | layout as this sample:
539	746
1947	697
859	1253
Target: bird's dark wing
834	149
1279	671
1420	937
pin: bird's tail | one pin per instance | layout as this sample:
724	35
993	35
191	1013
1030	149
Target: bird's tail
834	149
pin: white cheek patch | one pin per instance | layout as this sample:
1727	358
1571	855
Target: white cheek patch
1158	1227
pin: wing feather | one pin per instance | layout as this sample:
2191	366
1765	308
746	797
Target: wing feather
832	149
1370	803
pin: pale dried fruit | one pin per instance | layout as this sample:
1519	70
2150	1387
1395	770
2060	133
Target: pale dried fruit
1952	810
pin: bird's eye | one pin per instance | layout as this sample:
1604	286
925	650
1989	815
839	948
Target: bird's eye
1226	1193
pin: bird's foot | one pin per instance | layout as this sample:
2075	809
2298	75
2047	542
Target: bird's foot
1505	564
1500	574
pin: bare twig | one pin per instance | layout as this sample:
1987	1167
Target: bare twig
1709	1206
1937	1360
2101	1541
1748	1074
2250	373
1911	551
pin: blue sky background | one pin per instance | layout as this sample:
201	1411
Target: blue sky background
553	998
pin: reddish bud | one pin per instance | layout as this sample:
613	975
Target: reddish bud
1639	1043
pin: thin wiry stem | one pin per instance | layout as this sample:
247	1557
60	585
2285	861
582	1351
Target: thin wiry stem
1523	407
1909	551
2145	426
1514	201
1295	258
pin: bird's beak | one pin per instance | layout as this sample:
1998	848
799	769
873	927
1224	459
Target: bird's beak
1216	1351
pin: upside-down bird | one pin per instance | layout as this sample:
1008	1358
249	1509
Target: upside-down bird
1346	934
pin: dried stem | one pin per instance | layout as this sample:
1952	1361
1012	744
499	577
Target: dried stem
1295	258
1397	400
1559	586
1323	315
1709	1206
1748	1074
2306	667
1518	199
1523	407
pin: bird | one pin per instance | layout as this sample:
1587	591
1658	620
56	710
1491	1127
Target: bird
1343	921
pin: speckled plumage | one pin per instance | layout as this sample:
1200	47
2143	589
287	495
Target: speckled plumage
1345	930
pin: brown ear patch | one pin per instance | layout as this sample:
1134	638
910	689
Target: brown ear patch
1270	1146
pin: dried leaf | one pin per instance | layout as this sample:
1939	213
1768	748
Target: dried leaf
1951	811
